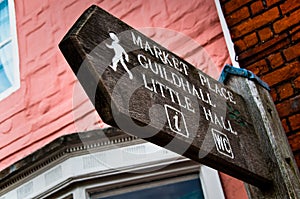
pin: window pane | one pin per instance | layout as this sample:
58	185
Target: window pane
4	82
6	58
190	189
4	21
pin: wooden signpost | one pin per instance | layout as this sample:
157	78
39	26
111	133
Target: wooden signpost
142	88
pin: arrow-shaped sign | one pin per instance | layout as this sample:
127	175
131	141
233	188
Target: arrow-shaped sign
142	88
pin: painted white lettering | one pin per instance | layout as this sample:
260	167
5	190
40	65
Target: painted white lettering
176	80
227	146
207	100
165	59
137	41
230	96
208	114
148	48
185	85
166	76
161	87
219	141
146	84
158	53
185	68
195	92
160	71
142	62
153	67
218	120
162	55
214	87
202	79
189	104
176	64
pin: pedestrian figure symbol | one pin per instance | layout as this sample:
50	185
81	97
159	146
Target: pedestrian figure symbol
119	53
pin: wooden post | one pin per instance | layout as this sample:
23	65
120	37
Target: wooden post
273	141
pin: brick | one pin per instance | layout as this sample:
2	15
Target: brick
274	95
286	90
282	74
6	126
285	125
233	5
294	30
295	121
255	23
288	107
259	67
21	127
15	102
287	22
271	2
294	141
297	158
34	45
256	7
56	112
297	83
275	60
42	84
263	50
296	36
237	16
240	46
289	5
292	52
265	34
246	42
251	40
33	6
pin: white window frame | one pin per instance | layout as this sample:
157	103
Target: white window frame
14	71
209	178
74	168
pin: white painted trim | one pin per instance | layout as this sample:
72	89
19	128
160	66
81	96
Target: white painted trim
226	33
211	184
15	80
84	166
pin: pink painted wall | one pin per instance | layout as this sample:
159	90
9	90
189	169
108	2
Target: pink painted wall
50	103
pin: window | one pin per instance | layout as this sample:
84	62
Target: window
186	187
9	59
91	167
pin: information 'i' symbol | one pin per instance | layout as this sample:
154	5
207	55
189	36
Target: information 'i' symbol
176	121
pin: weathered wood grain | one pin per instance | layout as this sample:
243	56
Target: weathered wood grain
174	105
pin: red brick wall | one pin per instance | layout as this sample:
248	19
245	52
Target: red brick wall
266	35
